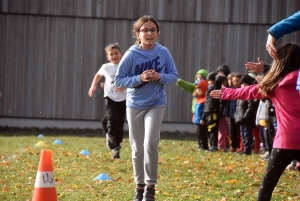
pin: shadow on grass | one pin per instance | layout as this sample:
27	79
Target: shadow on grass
35	131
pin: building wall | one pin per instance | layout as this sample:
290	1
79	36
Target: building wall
51	50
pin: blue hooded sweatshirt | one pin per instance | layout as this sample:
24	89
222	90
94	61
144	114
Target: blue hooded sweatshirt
134	62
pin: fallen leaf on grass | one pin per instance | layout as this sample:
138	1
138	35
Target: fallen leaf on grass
232	181
239	192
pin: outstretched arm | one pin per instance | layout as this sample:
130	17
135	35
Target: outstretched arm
280	29
245	93
185	85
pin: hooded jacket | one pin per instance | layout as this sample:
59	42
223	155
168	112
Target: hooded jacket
245	113
200	100
134	62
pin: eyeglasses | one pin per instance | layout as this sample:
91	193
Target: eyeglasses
147	30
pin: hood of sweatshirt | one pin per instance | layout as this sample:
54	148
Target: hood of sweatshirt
146	53
204	87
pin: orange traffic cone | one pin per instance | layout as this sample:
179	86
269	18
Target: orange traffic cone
44	187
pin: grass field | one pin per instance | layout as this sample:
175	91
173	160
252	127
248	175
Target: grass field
184	172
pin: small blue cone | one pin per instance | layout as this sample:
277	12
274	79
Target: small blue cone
102	177
85	152
57	141
40	135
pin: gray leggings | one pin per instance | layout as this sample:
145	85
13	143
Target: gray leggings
144	134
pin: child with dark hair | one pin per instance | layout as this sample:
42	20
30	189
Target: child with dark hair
278	85
115	99
245	116
211	112
222	122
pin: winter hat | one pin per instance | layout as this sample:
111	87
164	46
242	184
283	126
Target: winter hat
203	72
211	76
224	68
247	79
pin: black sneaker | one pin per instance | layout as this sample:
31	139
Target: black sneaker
149	194
110	141
139	192
116	152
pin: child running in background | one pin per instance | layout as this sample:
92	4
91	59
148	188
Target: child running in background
279	86
115	99
145	69
201	133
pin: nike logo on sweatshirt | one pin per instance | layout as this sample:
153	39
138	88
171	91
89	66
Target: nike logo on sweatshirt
152	64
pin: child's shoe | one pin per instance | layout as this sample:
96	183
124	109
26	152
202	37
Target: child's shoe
116	152
266	154
149	193
110	141
139	192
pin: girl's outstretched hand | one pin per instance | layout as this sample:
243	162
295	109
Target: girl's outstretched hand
215	94
253	67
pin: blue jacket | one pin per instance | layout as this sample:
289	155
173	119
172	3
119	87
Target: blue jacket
287	26
199	109
134	62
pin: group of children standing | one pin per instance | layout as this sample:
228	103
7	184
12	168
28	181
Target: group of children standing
227	125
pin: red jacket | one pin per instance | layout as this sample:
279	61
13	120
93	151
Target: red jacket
286	100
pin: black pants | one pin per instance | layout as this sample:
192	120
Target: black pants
115	113
212	122
104	125
247	134
279	159
234	132
201	135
